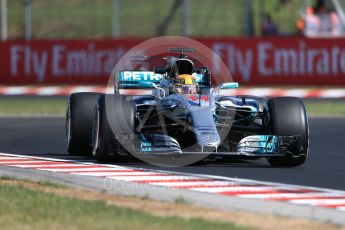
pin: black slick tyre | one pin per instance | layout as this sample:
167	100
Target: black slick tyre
114	118
79	116
288	117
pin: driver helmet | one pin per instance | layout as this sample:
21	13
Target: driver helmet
186	84
184	81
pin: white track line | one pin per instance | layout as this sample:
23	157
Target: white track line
13	162
289	195
88	169
129	173
333	93
197	183
320	201
236	189
295	92
341	208
48	166
80	162
16	90
48	91
261	91
156	178
11	158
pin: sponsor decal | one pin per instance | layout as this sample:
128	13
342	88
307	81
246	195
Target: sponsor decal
139	76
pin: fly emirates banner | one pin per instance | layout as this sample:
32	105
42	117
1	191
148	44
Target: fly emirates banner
251	61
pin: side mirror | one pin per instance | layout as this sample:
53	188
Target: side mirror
229	85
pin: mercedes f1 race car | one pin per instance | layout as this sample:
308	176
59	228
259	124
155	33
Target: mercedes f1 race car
186	115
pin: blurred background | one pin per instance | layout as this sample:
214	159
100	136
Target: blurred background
272	47
80	19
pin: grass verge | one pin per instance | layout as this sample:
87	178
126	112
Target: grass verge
22	105
24	207
32	205
57	106
325	107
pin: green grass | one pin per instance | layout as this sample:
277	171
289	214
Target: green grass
57	106
325	108
21	208
93	19
50	184
32	106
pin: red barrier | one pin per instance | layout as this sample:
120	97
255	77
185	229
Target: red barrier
257	61
61	61
290	60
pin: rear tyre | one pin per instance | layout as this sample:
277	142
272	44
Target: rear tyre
114	117
287	116
79	116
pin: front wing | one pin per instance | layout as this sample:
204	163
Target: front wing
250	146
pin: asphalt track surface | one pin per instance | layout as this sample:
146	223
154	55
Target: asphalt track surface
324	168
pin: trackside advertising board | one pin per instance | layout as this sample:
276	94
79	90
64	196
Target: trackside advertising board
61	61
252	61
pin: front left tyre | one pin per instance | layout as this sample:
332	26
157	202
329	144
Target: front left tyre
79	116
114	118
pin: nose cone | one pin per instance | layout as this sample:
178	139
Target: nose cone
205	129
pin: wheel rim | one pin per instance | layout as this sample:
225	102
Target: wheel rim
95	132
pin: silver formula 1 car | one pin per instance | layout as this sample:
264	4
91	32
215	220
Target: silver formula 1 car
186	115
